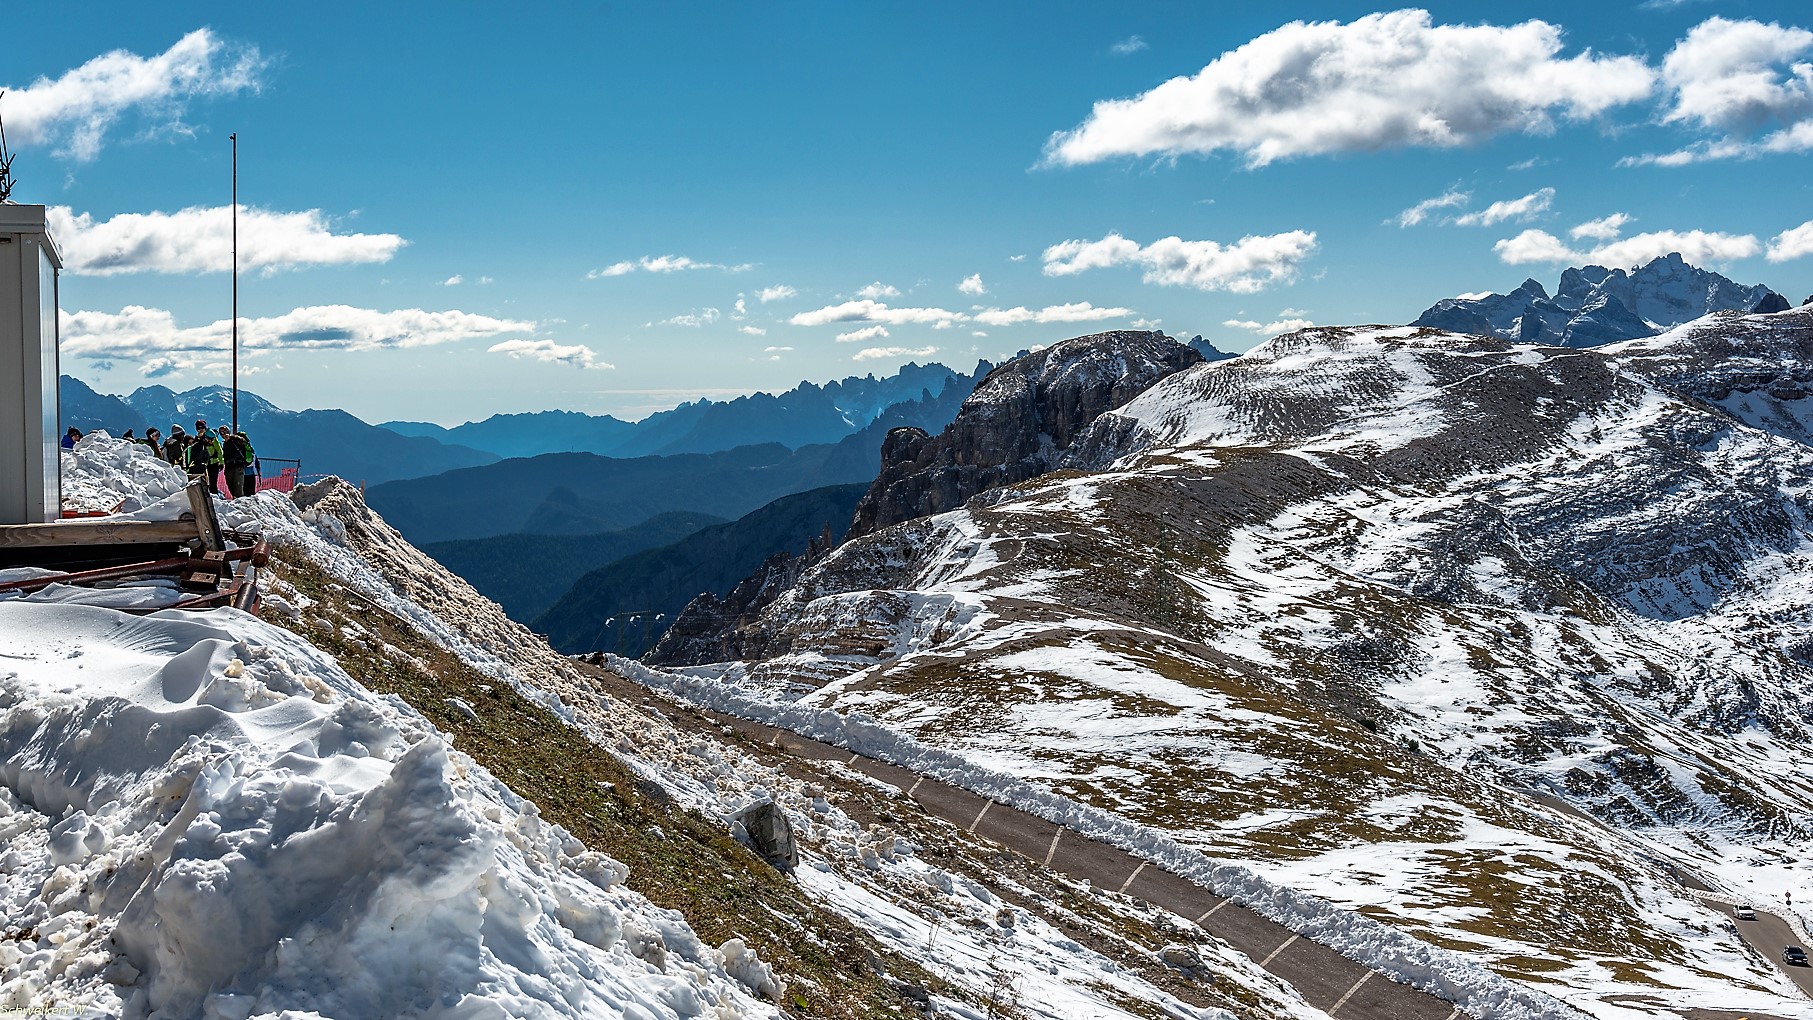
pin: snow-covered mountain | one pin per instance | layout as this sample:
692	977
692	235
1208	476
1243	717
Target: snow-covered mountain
1595	305
1504	644
386	799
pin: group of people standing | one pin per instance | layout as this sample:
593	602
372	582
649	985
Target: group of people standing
207	455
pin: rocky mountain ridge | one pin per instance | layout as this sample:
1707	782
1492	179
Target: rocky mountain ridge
1595	305
1363	606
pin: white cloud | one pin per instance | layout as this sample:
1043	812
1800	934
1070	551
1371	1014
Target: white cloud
874	353
1128	46
1697	246
200	240
1079	311
741	310
1419	212
776	293
878	290
576	355
484	280
1016	258
663	264
1285	323
1147	323
1739	75
453	281
972	285
1250	264
1602	229
1384	80
867	310
775	350
1792	243
140	333
1740	78
867	333
76	111
752	330
693	320
1526	208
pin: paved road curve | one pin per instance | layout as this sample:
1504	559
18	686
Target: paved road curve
1338	986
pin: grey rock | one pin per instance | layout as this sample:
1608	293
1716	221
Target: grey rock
770	834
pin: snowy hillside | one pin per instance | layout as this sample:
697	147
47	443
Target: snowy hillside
1497	643
215	815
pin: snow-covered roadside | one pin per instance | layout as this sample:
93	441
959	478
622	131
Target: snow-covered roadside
872	878
1451	975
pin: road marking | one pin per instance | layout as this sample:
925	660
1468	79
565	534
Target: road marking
985	806
915	785
1211	911
1268	960
1336	1008
1452	1013
853	757
1053	851
1130	878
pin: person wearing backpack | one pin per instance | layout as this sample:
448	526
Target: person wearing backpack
206	456
237	456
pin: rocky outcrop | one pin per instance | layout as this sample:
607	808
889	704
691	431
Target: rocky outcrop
1017	425
1595	305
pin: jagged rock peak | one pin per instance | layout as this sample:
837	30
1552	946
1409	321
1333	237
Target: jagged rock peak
1595	305
1017	423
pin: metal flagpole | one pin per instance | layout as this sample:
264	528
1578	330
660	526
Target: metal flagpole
234	138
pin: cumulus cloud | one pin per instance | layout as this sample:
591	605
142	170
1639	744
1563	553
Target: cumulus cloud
75	112
878	290
1526	208
867	333
1602	229
779	292
1450	199
200	240
1079	311
576	355
972	285
866	310
693	320
1382	81
1128	46
874	353
1792	243
1283	324
1696	246
143	334
1741	78
752	330
453	281
663	264
1248	265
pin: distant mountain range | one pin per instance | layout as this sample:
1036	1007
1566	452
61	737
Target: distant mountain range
806	415
583	493
527	573
625	606
326	441
1595	305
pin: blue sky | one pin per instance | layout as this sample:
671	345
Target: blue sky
449	212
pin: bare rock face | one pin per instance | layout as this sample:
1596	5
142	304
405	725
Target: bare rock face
1017	425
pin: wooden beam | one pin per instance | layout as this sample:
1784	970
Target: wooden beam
96	532
209	524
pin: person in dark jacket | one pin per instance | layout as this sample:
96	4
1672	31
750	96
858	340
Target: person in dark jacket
71	438
236	454
176	448
155	440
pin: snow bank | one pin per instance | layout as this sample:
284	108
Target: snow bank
1395	954
202	815
102	472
